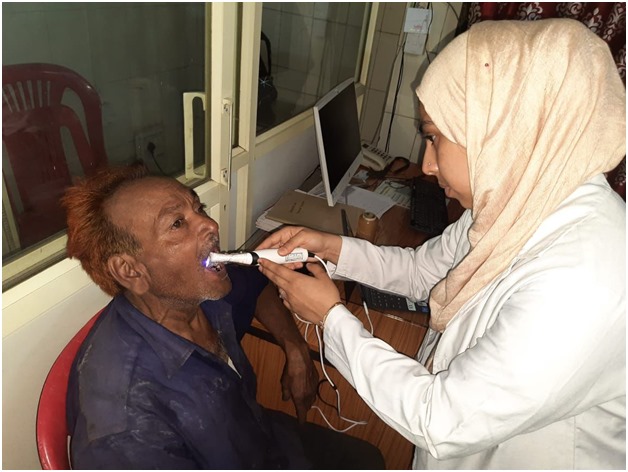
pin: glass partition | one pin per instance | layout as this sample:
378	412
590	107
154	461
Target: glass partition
306	49
137	59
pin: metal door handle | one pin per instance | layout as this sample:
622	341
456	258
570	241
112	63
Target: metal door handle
227	107
188	134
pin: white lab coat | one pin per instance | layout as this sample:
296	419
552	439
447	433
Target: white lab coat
531	373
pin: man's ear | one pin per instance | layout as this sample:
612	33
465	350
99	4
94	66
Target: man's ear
129	273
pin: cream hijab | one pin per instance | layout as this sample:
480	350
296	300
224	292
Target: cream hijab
540	108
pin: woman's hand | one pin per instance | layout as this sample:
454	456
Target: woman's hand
325	245
310	297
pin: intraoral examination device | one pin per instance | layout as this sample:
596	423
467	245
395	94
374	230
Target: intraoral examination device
251	257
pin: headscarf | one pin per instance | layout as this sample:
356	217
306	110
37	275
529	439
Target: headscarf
541	109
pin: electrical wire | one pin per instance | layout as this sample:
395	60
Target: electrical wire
454	11
368	317
151	150
353	423
427	36
394	106
376	135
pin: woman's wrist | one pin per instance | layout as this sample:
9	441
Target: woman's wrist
332	251
321	323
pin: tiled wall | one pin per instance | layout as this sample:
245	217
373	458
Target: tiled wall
384	72
140	57
314	46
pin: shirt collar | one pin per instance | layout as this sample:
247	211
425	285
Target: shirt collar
172	349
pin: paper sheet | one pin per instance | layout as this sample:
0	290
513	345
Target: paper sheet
399	193
358	197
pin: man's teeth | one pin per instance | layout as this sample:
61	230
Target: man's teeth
214	266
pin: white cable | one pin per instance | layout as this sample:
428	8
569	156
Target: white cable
368	317
306	332
324	265
320	352
322	361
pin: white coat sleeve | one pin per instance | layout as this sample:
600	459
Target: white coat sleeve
405	271
543	358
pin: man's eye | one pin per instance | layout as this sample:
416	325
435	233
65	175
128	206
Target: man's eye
429	137
177	224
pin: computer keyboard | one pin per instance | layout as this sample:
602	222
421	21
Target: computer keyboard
428	207
387	301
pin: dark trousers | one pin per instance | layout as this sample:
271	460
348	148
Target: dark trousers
327	449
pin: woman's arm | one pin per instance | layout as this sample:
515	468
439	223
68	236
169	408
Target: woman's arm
405	271
536	357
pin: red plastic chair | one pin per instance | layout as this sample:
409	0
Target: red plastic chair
35	110
51	428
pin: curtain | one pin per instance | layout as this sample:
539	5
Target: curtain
606	19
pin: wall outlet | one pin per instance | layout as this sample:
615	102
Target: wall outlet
415	43
151	138
418	20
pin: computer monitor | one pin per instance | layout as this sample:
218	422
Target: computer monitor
338	138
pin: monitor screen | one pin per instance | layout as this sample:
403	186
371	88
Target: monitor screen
338	138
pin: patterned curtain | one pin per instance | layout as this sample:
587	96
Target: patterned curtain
606	19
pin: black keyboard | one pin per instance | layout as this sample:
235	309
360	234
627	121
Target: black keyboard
428	207
387	301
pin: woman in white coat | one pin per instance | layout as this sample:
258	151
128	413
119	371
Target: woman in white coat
524	363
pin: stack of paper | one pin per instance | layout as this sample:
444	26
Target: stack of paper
266	224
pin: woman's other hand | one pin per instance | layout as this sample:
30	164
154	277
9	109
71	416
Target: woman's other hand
310	297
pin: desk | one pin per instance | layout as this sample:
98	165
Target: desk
402	330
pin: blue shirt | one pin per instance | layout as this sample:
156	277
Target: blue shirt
142	397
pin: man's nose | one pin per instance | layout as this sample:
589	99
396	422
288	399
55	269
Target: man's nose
208	224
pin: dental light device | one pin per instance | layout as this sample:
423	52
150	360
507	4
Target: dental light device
251	257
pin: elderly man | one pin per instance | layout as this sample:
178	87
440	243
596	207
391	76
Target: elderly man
161	380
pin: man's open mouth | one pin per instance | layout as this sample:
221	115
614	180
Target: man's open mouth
207	263
213	266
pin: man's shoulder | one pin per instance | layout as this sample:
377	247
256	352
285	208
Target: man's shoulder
110	344
102	373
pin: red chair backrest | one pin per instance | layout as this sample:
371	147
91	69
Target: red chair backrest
52	430
35	110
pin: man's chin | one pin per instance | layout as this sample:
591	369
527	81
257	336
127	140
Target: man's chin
219	290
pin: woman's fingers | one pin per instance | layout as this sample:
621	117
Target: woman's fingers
276	273
280	238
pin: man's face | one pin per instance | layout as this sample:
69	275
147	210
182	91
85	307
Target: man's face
176	236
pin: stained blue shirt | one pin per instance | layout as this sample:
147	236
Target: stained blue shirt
142	397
